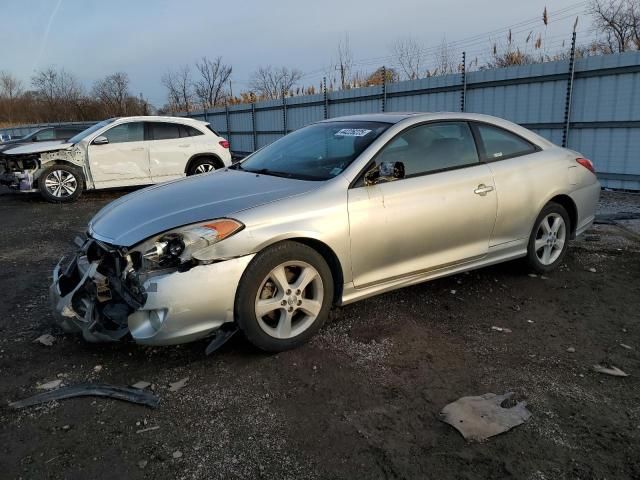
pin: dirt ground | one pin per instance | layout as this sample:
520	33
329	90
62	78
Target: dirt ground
362	399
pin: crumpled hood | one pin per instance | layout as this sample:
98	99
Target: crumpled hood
38	147
142	214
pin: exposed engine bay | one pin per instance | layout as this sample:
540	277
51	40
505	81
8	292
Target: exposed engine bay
99	288
18	172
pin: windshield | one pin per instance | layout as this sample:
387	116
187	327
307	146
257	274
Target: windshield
90	130
317	152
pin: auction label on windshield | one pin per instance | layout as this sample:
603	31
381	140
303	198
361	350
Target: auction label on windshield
352	132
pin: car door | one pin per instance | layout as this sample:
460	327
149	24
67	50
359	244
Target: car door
169	150
123	159
440	214
515	164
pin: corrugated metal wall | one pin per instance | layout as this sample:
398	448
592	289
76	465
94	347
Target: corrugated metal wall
604	121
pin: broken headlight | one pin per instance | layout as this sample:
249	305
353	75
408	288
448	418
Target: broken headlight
178	246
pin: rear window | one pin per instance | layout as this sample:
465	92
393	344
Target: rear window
499	143
187	131
214	132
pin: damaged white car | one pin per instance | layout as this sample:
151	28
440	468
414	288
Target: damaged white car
332	213
118	152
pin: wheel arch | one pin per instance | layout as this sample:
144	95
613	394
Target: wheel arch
572	210
211	156
44	166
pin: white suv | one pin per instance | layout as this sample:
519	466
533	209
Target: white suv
115	153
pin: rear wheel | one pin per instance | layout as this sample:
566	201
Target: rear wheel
202	165
549	238
284	296
60	184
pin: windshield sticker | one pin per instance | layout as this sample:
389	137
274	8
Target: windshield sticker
352	132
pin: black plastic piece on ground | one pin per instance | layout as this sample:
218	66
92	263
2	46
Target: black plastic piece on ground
221	337
126	394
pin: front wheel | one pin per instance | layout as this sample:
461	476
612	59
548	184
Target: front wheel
549	238
60	184
284	296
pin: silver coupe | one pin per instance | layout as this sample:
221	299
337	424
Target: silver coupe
332	213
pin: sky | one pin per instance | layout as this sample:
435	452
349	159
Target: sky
145	38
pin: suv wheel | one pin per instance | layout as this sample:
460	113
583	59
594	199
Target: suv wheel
60	184
202	165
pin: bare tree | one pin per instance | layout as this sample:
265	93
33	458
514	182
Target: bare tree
409	55
618	21
179	89
443	58
60	91
113	92
344	63
214	75
10	86
270	82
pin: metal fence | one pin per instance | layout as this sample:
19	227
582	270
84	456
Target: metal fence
591	105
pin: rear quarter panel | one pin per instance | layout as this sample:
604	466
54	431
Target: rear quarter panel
523	186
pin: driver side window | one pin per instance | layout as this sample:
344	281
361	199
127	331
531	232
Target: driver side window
126	132
431	148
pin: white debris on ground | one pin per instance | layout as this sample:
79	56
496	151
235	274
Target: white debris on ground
479	418
613	371
47	339
175	386
49	385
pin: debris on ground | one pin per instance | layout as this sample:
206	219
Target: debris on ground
142	463
624	345
177	454
453	292
175	386
150	429
47	340
481	417
592	270
49	385
83	390
97	368
533	275
141	385
571	350
613	371
501	329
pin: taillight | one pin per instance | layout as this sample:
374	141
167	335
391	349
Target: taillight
224	143
586	163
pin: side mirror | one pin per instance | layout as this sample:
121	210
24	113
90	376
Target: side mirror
101	140
385	172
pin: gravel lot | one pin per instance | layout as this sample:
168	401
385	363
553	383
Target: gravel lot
362	399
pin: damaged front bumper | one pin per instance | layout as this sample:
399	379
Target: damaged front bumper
100	294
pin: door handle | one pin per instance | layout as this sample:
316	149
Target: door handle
483	189
139	149
183	146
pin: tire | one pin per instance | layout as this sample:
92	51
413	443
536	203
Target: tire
201	165
61	184
549	239
269	281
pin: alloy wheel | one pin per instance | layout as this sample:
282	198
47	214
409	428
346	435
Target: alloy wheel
550	238
203	168
61	183
289	299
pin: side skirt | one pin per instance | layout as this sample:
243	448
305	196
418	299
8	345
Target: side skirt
498	254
